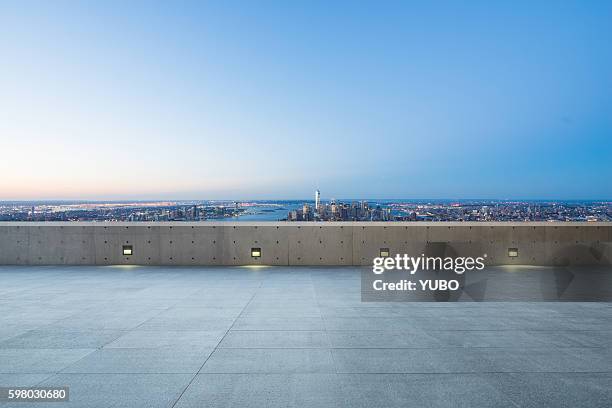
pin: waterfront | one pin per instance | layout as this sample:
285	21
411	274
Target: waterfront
305	210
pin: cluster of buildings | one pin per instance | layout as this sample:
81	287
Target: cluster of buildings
444	210
339	211
158	211
291	210
503	211
185	213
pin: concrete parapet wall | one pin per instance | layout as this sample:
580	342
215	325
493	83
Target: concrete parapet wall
299	243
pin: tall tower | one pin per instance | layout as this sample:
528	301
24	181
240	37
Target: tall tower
317	200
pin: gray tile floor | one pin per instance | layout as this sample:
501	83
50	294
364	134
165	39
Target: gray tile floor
289	337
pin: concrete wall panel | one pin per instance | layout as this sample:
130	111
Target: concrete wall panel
14	244
238	240
320	244
281	243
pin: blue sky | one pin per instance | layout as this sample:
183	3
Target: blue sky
238	100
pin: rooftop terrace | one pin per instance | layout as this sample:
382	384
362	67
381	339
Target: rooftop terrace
157	336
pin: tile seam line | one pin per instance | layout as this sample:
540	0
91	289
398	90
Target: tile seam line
323	321
381	372
577	373
411	348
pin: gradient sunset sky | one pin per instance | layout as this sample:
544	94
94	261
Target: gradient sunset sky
258	99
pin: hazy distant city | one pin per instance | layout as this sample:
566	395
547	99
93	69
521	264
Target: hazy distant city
304	210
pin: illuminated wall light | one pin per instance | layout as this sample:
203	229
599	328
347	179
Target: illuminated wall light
128	250
384	252
255	252
512	252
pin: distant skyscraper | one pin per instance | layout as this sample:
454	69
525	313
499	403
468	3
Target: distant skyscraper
317	200
307	214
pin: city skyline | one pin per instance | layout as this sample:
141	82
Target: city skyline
316	210
243	101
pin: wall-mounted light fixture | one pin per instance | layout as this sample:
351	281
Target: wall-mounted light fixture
128	250
255	252
512	252
384	252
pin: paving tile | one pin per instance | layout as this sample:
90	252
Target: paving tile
421	390
204	313
286	311
370	323
553	390
263	390
279	323
383	361
381	339
10	330
35	361
271	361
51	337
105	321
275	339
177	340
480	360
116	390
22	380
196	323
154	361
484	338
573	338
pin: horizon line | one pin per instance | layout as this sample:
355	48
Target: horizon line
293	199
